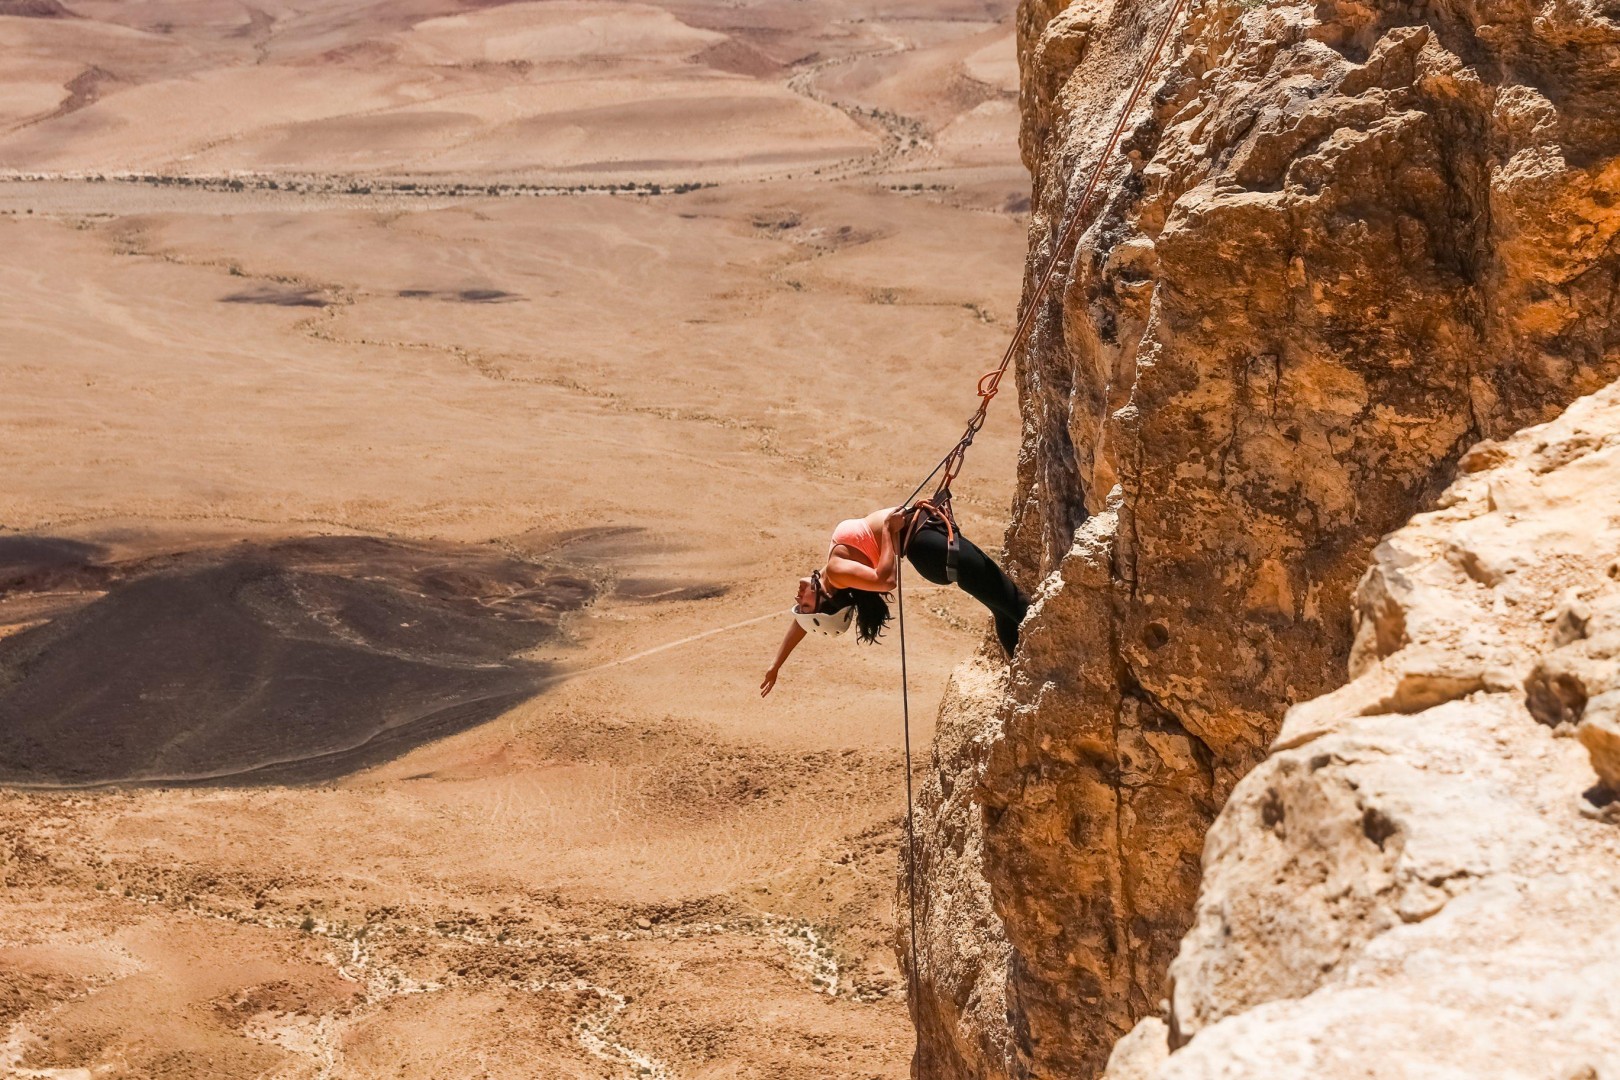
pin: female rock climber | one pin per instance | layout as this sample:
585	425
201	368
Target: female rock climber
861	568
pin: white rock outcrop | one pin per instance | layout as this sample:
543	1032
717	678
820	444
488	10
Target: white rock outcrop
1423	878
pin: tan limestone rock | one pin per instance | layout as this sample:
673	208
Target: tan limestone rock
1341	244
1139	1054
962	949
1432	891
1599	732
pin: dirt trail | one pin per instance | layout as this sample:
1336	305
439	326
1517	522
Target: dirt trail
902	135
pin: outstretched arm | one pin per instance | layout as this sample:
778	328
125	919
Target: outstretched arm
795	634
845	573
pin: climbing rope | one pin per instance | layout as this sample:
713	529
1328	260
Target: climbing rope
990	381
911	831
951	464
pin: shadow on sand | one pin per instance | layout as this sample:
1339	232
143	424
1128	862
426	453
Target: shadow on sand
287	662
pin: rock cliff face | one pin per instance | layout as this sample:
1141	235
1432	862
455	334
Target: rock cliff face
1342	244
1423	878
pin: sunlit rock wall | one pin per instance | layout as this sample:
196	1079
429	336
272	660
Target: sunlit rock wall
1423	878
1340	245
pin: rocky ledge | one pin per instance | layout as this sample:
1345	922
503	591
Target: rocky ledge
1423	879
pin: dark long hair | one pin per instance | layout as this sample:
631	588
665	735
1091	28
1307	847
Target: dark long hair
871	611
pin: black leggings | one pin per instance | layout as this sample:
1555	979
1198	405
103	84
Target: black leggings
978	576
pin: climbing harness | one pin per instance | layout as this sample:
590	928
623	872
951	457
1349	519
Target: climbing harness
937	509
938	505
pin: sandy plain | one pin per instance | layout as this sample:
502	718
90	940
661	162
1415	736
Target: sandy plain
413	418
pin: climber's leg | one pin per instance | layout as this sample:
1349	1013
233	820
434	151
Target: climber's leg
979	577
927	553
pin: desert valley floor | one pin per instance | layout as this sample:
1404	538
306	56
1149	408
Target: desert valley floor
470	383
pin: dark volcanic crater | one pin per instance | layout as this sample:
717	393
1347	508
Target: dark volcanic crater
281	663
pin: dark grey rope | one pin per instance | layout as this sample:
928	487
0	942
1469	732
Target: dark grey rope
911	829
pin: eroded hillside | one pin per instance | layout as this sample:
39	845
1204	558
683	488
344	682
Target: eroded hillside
1343	244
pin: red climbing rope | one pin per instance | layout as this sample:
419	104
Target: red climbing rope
990	381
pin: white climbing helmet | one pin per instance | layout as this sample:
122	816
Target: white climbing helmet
829	623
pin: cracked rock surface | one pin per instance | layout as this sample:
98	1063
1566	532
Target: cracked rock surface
1425	882
1341	243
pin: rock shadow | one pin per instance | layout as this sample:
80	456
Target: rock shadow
462	296
35	9
289	662
279	297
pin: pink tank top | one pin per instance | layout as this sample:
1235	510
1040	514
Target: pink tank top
858	535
